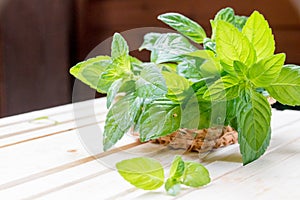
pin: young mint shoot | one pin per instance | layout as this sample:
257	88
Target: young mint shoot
182	85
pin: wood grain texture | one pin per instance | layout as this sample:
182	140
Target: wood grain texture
53	162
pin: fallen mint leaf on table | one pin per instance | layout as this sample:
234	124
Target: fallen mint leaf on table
142	172
148	174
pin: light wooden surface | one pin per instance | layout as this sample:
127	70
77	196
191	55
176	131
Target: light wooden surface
47	159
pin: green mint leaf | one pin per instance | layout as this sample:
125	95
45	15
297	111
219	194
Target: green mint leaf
149	41
172	186
189	67
120	68
195	175
240	22
89	71
266	71
142	172
184	25
231	114
178	86
159	119
120	118
286	88
209	44
228	15
240	69
226	88
258	32
119	47
253	117
232	45
150	82
168	47
225	14
112	91
177	167
135	65
209	65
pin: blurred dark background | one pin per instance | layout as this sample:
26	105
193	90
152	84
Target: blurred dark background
41	39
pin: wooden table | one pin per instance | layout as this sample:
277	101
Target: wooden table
42	156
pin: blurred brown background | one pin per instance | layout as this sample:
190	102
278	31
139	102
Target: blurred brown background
41	39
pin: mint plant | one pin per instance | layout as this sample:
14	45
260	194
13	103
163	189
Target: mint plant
225	83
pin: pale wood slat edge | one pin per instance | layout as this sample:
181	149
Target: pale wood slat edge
58	110
25	126
51	130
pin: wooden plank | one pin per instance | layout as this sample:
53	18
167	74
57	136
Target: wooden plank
219	163
257	179
25	123
12	120
53	130
61	156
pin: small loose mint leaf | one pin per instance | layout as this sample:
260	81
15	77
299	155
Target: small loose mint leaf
120	118
286	88
177	168
258	32
232	45
266	71
240	69
119	47
89	71
195	175
159	119
184	25
168	47
178	86
172	186
226	88
142	172
253	118
112	91
150	82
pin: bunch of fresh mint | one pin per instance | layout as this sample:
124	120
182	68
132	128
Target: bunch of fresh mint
226	83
